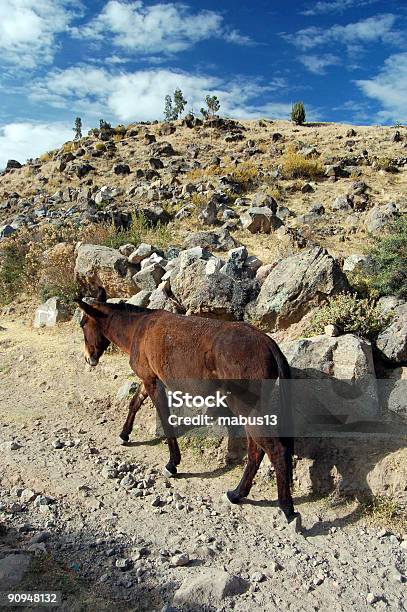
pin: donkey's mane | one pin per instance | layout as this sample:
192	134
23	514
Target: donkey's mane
125	307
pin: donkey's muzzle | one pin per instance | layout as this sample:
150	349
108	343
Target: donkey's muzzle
92	361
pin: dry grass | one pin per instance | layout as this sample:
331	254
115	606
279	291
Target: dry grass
296	166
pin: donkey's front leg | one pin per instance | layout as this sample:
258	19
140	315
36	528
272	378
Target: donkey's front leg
135	405
156	391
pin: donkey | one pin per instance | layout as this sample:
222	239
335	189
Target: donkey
164	347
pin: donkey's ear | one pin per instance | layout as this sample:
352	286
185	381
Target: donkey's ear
101	295
92	312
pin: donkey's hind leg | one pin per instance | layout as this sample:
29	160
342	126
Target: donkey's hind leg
135	405
255	456
280	456
156	391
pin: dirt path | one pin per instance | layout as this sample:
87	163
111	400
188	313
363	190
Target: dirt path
103	506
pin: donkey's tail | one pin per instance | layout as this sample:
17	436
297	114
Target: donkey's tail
286	414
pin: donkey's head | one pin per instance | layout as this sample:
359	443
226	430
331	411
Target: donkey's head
92	320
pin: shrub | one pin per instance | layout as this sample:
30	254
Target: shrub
100	146
296	166
386	164
389	261
298	113
139	231
352	315
12	270
57	273
245	175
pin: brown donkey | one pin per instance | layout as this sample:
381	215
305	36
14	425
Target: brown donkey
164	347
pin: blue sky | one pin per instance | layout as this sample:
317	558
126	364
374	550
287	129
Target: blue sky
116	59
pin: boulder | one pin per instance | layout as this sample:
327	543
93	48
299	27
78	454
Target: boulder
121	169
355	262
12	569
337	377
143	251
50	313
295	285
380	216
263	199
260	220
342	203
13	164
6	230
209	213
392	341
140	299
208	588
215	241
83	169
99	266
214	294
149	277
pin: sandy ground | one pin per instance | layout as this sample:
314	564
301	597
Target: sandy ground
48	393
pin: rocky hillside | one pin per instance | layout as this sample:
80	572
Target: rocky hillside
324	182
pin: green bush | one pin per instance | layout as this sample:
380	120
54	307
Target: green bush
389	261
139	231
351	314
12	271
298	113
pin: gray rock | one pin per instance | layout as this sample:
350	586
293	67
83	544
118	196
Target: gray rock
50	313
216	294
143	251
263	200
121	169
13	569
209	213
6	230
127	390
13	164
380	216
99	266
141	299
215	241
341	377
355	262
180	560
295	285
149	277
342	203
392	341
209	588
260	220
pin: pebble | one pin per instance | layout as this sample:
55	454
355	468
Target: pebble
180	560
257	577
58	444
124	564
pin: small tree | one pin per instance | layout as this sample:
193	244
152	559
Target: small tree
78	128
173	109
298	113
213	106
168	109
179	103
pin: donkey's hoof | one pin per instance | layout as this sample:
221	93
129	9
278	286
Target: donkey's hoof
295	523
232	497
169	470
122	440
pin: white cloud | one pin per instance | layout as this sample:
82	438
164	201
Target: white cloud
129	96
389	88
166	28
24	140
317	63
373	29
335	6
28	29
